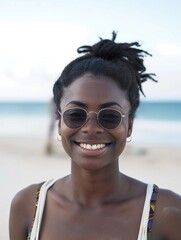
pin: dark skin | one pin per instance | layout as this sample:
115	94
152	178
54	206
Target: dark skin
96	201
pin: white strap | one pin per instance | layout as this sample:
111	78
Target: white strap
145	215
40	208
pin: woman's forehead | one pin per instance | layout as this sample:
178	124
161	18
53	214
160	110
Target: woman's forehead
94	89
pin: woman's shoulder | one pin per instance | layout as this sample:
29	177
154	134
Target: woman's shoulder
24	201
168	203
26	194
22	211
168	198
168	214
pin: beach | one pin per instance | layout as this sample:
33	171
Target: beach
24	161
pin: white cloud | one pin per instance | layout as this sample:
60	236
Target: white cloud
32	52
169	49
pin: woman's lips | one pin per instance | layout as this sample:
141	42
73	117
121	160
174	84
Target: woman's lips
92	149
92	146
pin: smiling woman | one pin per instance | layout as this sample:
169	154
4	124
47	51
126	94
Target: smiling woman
96	99
105	123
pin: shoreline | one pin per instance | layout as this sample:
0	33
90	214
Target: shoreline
24	162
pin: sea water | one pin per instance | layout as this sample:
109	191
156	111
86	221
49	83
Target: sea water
158	123
155	122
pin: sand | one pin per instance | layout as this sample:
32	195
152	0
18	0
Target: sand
24	161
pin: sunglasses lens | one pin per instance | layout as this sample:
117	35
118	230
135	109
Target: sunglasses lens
109	118
75	118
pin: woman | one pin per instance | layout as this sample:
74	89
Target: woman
96	98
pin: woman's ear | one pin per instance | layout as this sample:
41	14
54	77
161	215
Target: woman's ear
130	127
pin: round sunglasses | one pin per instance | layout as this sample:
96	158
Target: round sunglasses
107	118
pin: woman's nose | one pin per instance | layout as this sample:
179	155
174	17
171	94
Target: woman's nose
92	125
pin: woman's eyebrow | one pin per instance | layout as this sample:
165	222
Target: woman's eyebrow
103	105
109	104
78	103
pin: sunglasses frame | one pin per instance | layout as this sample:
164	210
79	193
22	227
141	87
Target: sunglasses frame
97	116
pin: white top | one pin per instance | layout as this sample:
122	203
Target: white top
41	203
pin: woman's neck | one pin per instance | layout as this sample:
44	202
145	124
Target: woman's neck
96	187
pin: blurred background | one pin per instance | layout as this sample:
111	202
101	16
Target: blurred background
38	38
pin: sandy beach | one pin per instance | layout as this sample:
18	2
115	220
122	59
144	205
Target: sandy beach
24	161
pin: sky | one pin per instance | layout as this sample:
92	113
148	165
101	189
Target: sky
38	38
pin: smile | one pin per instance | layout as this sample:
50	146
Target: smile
92	147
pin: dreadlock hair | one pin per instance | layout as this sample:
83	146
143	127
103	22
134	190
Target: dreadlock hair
123	62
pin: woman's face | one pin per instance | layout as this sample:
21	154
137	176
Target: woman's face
94	93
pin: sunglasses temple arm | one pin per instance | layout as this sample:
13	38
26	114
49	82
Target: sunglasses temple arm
59	112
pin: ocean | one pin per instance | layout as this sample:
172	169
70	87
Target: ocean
155	122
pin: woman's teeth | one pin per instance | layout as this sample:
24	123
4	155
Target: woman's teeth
92	147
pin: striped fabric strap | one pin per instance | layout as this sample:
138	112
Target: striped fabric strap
152	211
36	205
